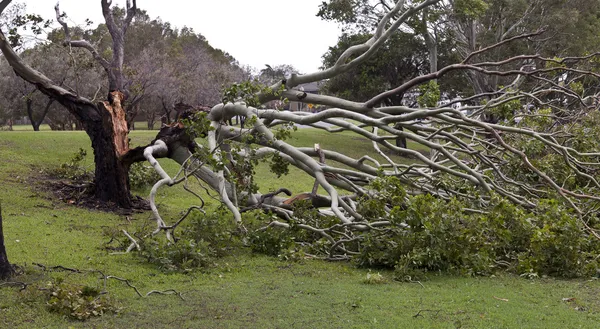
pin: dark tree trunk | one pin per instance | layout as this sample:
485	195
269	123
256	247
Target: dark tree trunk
400	141
29	104
131	114
106	126
396	100
151	119
6	269
37	123
167	109
110	142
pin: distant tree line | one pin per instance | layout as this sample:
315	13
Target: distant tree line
164	66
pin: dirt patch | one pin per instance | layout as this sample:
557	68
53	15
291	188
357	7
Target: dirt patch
81	194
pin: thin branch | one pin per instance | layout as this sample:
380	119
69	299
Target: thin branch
79	43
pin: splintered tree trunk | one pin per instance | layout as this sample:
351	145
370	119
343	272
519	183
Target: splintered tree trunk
105	122
6	270
110	142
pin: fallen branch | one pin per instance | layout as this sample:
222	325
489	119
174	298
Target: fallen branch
105	279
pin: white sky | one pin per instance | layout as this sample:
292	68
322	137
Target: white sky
255	32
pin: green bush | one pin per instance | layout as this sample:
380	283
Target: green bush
201	241
266	240
558	245
185	255
141	176
272	241
432	235
73	169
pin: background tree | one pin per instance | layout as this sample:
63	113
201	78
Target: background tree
471	25
570	28
25	98
273	74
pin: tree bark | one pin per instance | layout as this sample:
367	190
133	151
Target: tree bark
110	143
29	105
6	269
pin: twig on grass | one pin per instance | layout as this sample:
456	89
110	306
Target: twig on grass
105	279
23	285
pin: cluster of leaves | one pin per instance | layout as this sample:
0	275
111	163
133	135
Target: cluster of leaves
470	8
74	169
201	242
78	302
293	243
141	176
429	94
249	91
580	135
429	234
272	240
198	125
279	166
506	109
35	23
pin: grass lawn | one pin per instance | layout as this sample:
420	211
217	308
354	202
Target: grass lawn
245	290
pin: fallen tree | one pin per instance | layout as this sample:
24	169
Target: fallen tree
471	160
466	151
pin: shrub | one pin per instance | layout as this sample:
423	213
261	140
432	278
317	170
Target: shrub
430	234
201	241
184	255
141	176
73	169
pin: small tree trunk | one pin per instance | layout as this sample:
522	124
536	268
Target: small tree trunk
166	119
151	119
29	105
6	269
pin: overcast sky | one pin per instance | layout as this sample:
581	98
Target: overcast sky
255	32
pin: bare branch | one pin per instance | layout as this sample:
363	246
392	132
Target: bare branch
131	12
78	43
4	4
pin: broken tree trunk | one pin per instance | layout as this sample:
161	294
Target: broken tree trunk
110	142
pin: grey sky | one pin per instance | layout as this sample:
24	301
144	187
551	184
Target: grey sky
255	32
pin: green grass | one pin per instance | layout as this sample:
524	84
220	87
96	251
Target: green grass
139	125
246	290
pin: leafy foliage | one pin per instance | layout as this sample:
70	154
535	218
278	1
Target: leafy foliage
272	241
429	94
205	239
78	302
142	176
248	91
431	234
73	169
400	60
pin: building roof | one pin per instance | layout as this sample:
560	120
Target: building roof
311	87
